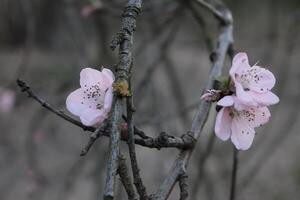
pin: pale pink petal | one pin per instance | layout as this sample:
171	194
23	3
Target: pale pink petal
7	100
239	62
206	96
242	134
261	79
255	116
238	105
226	101
109	75
74	102
92	117
265	99
261	116
108	100
90	77
223	124
244	96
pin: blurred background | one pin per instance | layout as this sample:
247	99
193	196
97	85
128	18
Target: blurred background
47	43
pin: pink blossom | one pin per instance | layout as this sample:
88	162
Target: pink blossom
237	121
252	83
7	100
91	8
92	102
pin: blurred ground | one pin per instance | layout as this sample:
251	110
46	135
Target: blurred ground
47	43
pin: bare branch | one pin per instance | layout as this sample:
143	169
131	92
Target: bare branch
162	141
234	174
125	40
138	182
125	178
25	88
225	41
182	181
223	17
93	137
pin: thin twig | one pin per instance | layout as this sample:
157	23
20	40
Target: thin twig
93	137
125	178
25	88
218	13
138	182
234	174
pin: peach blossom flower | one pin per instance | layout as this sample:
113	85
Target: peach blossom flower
7	100
237	121
252	83
91	8
92	102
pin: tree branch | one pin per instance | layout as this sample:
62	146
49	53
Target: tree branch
225	41
138	182
125	39
234	174
182	181
125	178
162	141
25	88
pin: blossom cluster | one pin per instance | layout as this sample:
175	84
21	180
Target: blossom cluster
246	107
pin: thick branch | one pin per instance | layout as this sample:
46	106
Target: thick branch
225	41
124	39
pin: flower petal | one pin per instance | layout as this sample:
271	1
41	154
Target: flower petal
244	96
240	61
92	117
262	116
90	77
226	101
261	79
109	75
242	134
74	102
223	124
238	105
108	100
265	99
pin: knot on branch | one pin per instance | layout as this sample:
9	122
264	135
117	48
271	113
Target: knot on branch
122	88
119	38
129	18
132	11
189	139
227	18
24	87
162	140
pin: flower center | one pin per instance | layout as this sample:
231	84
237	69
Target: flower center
248	76
93	96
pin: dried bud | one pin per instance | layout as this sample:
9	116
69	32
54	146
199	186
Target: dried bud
211	95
